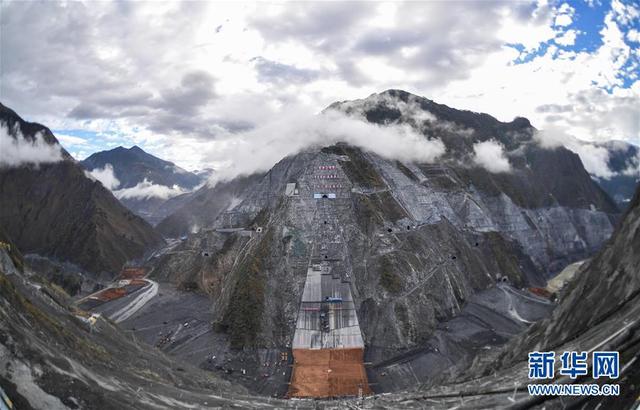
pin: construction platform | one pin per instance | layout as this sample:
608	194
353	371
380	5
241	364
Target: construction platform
324	324
132	273
327	373
328	347
121	289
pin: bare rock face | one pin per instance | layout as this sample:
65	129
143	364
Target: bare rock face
422	237
603	289
598	311
432	250
417	252
55	210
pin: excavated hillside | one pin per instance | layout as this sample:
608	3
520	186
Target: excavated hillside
422	238
55	210
437	259
55	357
598	311
439	255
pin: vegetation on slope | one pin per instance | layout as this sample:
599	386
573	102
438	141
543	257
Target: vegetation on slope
243	317
389	279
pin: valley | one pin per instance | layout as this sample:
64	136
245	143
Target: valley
322	205
341	275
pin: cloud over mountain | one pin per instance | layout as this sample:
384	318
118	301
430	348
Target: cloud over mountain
16	150
260	148
106	176
147	189
490	155
227	68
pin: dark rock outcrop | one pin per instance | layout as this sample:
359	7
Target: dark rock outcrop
55	210
131	166
135	168
422	238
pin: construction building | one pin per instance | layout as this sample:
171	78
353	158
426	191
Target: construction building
328	347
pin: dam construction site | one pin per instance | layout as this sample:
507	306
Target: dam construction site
339	278
312	287
328	348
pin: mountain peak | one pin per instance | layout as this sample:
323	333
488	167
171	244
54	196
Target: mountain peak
133	165
399	94
521	122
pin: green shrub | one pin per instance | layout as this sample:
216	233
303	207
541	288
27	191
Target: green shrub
389	279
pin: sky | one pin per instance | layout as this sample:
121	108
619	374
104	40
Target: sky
197	82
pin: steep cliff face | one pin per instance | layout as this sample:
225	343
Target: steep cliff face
423	239
598	311
417	251
55	210
604	289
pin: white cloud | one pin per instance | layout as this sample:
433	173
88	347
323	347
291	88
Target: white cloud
626	13
565	15
552	137
18	150
455	53
531	31
106	176
147	189
595	159
563	20
568	38
491	156
588	85
260	148
71	140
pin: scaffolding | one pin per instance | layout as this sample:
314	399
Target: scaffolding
328	347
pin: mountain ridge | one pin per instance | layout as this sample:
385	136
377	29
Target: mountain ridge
53	209
132	165
149	186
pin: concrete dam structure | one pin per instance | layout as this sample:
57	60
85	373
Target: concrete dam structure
328	347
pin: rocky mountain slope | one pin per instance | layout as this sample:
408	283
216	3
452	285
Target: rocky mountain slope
432	257
598	311
605	287
423	238
56	357
55	210
624	163
200	209
144	183
131	166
